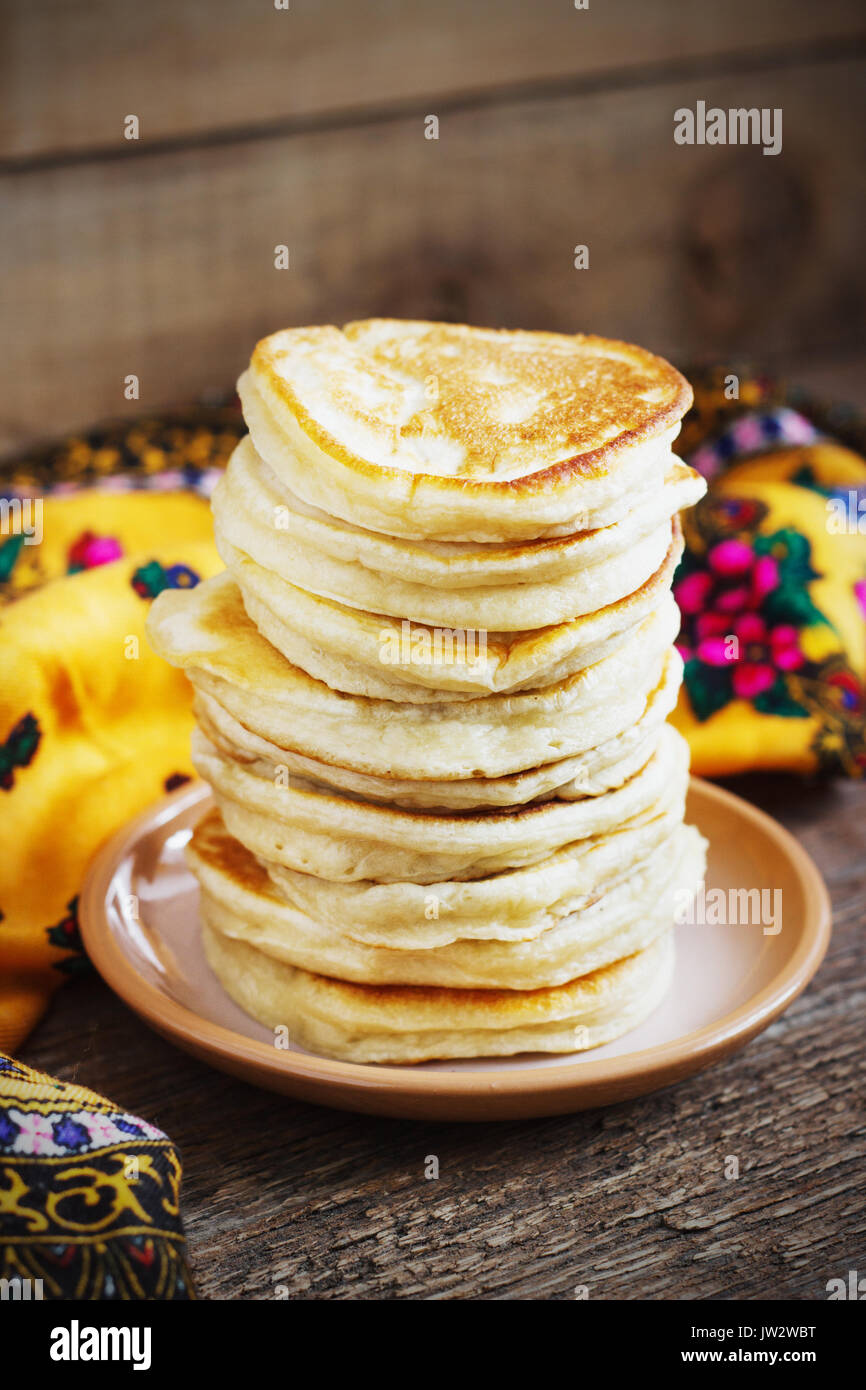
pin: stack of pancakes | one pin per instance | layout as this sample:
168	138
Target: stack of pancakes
431	690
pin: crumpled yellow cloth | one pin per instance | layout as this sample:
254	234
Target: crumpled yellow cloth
93	725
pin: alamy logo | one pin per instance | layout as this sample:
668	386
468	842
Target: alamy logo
738	126
77	1343
855	1288
732	907
437	646
846	516
22	516
21	1289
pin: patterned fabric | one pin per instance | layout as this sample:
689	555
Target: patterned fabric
772	589
750	434
89	1196
184	449
93	726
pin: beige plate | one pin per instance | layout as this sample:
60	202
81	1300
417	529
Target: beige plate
139	921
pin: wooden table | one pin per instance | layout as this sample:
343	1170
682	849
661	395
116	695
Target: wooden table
631	1201
305	128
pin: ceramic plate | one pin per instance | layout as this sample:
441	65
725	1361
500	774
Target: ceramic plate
139	921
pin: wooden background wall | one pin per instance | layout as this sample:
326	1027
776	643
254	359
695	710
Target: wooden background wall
305	127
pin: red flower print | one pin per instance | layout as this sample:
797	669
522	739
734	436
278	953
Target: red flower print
90	550
692	592
744	604
755	651
761	653
736	580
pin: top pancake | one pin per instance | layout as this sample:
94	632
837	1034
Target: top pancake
444	431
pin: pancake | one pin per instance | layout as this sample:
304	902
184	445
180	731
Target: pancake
441	431
316	831
431	691
206	631
584	774
507	588
367	654
411	1023
240	901
251	496
509	608
371	654
515	905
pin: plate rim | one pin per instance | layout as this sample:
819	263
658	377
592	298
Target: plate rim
697	1048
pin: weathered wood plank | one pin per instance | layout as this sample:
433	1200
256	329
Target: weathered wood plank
841	379
192	67
631	1201
163	265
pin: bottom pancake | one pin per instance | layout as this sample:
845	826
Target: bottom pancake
406	1023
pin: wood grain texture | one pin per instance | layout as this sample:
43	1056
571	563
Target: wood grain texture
631	1201
190	68
162	265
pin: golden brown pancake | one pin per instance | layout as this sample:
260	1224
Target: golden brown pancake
332	835
241	901
445	739
503	587
595	770
417	1023
444	431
